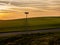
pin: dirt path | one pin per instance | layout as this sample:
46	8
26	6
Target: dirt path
30	32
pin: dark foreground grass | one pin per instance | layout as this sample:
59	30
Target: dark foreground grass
32	24
49	38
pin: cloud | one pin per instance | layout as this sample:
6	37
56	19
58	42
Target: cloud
42	4
37	8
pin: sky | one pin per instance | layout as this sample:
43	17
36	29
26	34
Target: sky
36	8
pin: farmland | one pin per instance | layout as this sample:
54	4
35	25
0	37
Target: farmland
32	24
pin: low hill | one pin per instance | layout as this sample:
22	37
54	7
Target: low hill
31	24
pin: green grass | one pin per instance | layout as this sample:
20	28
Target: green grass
33	24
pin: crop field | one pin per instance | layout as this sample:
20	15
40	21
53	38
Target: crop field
31	24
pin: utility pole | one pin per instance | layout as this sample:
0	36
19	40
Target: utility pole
26	23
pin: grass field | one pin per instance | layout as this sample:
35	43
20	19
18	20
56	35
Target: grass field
32	24
32	39
49	38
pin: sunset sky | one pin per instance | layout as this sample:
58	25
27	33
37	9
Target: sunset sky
13	9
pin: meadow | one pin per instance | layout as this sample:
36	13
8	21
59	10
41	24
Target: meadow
31	24
48	38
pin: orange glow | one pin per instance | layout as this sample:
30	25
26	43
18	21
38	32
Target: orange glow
15	15
19	13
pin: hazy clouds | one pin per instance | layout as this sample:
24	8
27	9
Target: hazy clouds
44	4
37	8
